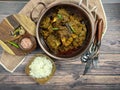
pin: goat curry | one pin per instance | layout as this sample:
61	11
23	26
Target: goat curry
63	31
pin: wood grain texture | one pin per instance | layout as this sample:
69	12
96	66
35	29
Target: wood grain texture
10	7
68	74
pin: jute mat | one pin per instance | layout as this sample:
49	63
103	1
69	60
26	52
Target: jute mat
10	62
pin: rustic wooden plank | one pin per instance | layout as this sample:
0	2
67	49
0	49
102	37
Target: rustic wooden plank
111	42
112	10
7	8
14	7
60	80
110	1
108	65
59	87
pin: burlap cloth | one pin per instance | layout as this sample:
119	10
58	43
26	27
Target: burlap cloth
10	62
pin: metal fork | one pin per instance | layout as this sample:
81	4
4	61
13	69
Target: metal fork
91	56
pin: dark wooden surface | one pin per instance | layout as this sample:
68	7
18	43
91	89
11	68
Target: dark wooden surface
67	76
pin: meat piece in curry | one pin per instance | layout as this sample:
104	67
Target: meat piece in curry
63	31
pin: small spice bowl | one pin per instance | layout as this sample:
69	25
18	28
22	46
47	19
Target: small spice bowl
39	68
27	43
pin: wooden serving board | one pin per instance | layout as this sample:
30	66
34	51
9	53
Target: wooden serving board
8	25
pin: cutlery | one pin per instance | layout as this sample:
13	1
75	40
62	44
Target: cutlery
91	56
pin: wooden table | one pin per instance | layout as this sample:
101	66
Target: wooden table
106	77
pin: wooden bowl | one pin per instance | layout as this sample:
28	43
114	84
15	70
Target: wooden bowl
41	80
32	47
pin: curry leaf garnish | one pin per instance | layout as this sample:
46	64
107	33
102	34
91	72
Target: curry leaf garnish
59	16
70	28
55	28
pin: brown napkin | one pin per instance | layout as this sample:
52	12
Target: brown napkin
7	60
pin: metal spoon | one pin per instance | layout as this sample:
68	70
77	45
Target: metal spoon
93	52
